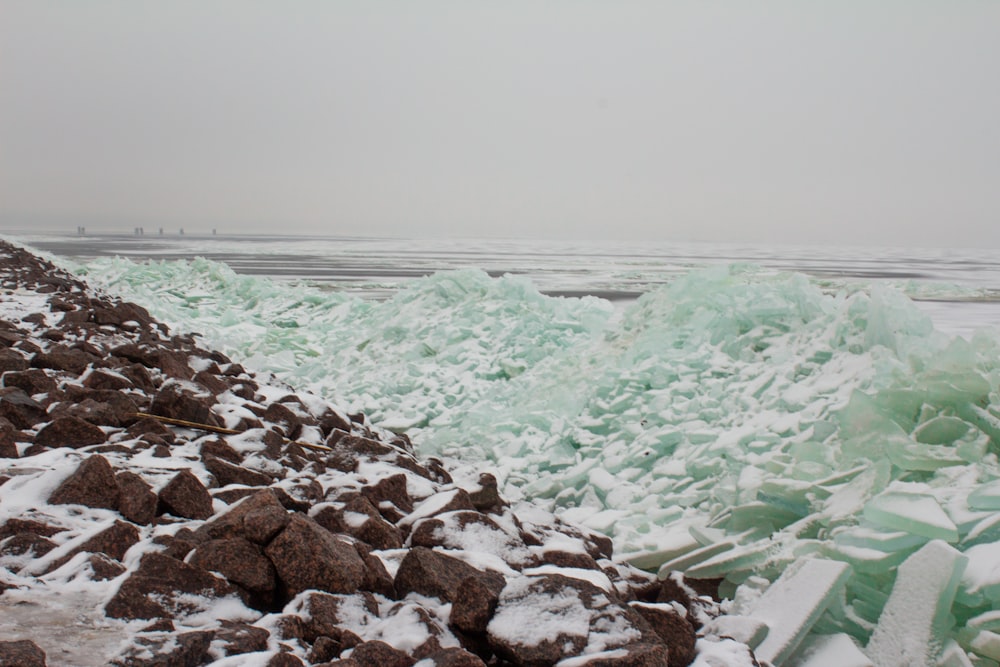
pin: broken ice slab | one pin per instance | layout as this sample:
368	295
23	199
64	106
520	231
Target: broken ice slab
873	537
748	515
954	655
916	513
683	562
981	580
980	642
837	650
986	496
909	455
732	562
864	559
914	623
793	604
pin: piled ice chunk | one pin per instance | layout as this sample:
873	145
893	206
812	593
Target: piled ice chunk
729	424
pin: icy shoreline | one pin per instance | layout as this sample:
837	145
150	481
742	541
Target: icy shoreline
306	537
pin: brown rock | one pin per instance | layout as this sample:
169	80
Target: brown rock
306	556
475	601
555	595
163	586
434	574
70	432
20	409
8	440
487	497
455	657
136	502
104	407
104	568
26	543
222	450
113	541
107	379
21	653
361	520
168	650
64	358
377	578
14	526
675	630
258	517
12	360
393	489
150	427
569	559
637	655
380	654
284	418
325	614
185	496
227	473
176	403
324	649
285	660
452	530
239	638
34	381
238	560
92	484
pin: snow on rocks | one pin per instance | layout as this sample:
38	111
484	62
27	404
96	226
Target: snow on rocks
214	517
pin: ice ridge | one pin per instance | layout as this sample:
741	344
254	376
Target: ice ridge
729	424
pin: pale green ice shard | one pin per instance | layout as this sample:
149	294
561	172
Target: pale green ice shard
915	513
793	604
986	497
912	629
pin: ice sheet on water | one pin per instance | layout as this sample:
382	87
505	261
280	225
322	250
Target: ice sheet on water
730	399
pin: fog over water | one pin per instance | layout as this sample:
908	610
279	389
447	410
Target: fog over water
821	123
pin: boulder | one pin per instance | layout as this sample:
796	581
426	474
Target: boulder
136	501
69	431
34	381
227	473
435	574
567	615
175	402
675	630
162	587
238	560
20	409
185	496
92	484
454	657
380	654
474	602
21	653
258	517
306	555
325	614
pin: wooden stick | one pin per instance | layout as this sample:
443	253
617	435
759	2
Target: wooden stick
225	431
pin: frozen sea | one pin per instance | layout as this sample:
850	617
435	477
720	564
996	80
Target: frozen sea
725	410
959	288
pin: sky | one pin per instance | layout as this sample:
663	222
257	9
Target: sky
859	122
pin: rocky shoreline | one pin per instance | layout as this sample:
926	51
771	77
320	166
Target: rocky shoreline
219	518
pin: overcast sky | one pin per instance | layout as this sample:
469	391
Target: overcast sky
859	122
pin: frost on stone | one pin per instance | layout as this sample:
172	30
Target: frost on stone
729	423
916	620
